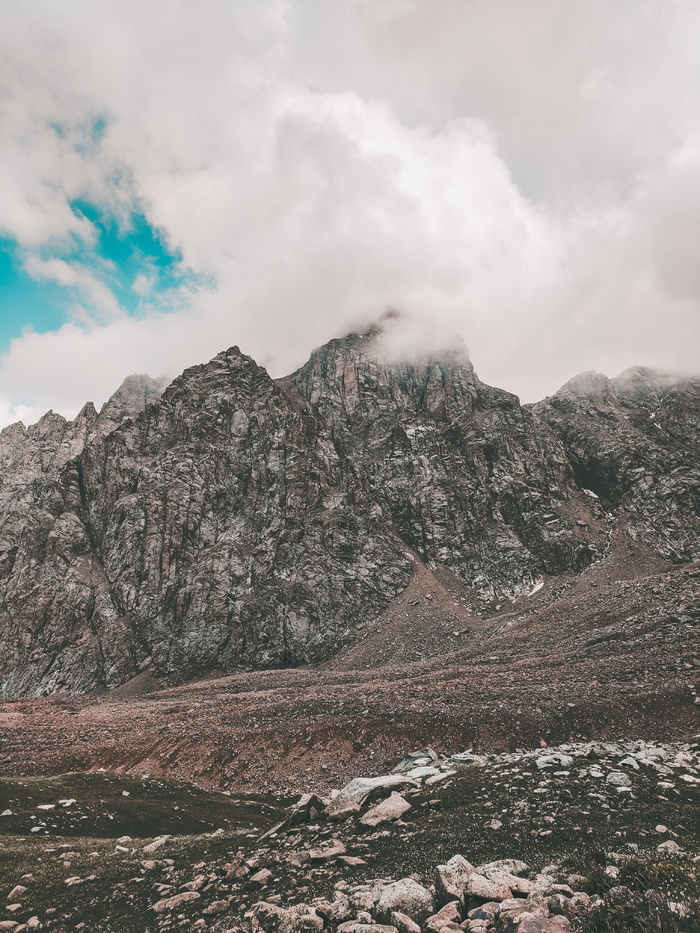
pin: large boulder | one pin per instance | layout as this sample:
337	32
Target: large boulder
392	808
407	897
358	790
451	879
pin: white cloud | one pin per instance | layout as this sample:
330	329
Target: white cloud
521	173
100	300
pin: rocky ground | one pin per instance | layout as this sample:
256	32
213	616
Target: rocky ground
147	808
584	836
613	652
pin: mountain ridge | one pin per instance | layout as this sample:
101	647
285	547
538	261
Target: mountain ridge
232	520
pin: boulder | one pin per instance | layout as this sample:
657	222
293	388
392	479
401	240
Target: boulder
512	865
424	758
392	808
352	926
328	852
301	918
358	790
484	889
403	923
178	900
447	919
451	879
407	897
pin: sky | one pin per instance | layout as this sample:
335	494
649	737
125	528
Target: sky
178	178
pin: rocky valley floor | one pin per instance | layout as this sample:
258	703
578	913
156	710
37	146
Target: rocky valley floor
611	653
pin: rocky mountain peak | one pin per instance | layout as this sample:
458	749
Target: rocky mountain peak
592	386
132	396
234	520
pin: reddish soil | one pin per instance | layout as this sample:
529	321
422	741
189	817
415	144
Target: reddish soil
611	653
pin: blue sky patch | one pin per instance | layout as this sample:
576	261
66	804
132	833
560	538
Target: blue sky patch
132	259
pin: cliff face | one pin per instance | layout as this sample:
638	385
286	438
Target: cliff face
468	478
234	521
635	441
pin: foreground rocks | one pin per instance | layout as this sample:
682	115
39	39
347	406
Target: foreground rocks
569	850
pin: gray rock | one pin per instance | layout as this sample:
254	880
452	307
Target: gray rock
407	897
618	779
451	879
358	790
172	903
392	808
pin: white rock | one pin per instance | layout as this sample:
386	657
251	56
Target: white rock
407	897
358	790
423	772
618	779
155	845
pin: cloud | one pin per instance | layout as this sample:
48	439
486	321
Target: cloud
522	174
96	295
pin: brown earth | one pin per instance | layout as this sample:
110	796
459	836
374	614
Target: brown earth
610	653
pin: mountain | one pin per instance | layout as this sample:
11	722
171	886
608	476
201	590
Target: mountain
234	521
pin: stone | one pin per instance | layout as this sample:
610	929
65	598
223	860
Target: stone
407	897
157	843
270	918
515	884
304	807
392	808
451	879
513	866
175	902
423	758
480	887
327	852
554	760
337	910
468	758
418	774
216	907
403	922
261	878
669	846
358	790
352	926
447	918
17	891
618	779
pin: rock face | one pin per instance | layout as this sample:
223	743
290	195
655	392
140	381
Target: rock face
469	479
234	520
635	442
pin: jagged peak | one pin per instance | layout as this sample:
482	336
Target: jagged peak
396	341
590	384
646	379
87	413
133	395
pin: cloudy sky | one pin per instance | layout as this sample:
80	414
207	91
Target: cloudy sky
179	177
